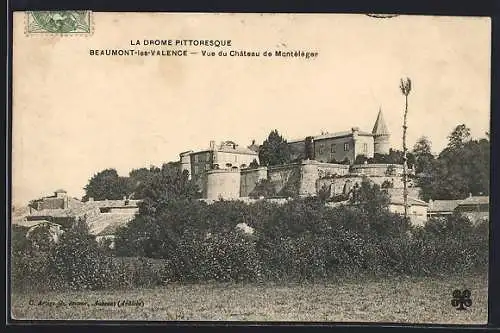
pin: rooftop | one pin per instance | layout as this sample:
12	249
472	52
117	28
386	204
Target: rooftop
332	135
398	200
228	147
108	224
450	205
380	128
475	200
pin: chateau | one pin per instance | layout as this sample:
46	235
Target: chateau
324	162
344	146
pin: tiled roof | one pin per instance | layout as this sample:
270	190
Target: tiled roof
30	224
237	149
338	134
399	200
330	136
443	205
451	205
75	209
476	200
107	223
52	212
112	203
226	146
380	128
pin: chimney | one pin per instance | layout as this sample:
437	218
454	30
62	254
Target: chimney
253	142
212	145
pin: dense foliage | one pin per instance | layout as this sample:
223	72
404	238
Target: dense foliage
177	238
274	150
106	185
188	240
139	184
462	168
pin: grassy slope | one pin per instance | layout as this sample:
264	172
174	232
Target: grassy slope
406	300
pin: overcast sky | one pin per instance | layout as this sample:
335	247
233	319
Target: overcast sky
75	115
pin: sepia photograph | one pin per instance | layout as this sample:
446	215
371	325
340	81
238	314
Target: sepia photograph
250	167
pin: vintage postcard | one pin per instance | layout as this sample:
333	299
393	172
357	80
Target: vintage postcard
250	167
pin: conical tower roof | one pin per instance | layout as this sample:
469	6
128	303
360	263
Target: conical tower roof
380	127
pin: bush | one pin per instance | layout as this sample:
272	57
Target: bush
132	272
264	188
31	274
78	260
302	239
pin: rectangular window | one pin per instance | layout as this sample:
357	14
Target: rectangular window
346	146
333	148
365	147
321	149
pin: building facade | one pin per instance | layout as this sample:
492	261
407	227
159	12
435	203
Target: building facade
343	147
226	156
475	208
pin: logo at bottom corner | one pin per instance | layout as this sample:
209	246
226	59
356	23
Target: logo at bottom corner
59	22
461	299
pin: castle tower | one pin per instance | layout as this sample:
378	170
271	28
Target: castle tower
381	135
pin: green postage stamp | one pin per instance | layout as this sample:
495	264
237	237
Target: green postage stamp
59	22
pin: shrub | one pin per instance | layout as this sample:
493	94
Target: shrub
302	239
32	273
387	184
19	243
264	188
230	257
361	159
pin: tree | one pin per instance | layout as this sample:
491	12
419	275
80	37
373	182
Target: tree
264	188
166	184
461	168
405	90
423	155
254	164
393	157
459	136
106	185
78	260
361	159
138	177
369	197
274	150
20	244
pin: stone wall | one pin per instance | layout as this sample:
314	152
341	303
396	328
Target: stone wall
304	179
285	178
338	186
377	169
223	184
124	210
250	178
